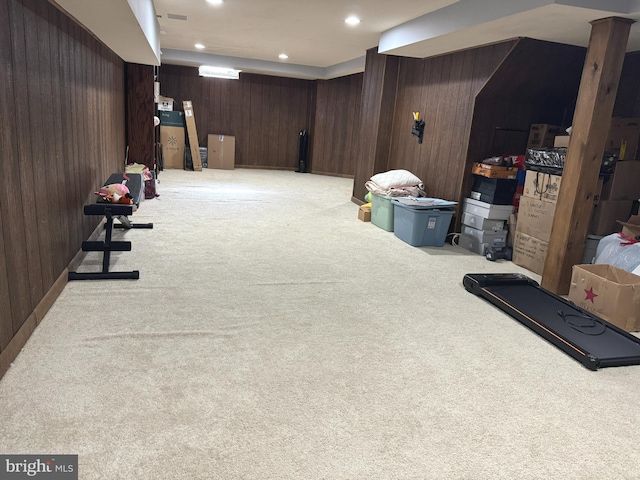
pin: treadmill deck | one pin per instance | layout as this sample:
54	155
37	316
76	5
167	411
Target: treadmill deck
589	339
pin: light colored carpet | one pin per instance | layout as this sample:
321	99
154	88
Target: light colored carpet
272	335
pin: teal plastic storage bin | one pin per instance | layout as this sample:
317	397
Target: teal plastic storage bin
382	212
421	227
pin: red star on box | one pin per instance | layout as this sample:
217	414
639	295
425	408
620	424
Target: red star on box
590	294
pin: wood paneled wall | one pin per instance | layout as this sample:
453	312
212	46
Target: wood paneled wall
379	91
475	103
443	90
140	112
628	98
336	132
62	109
264	113
517	95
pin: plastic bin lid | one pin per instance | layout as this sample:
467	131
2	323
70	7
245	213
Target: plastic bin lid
422	202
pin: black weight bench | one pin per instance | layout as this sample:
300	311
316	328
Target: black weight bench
112	211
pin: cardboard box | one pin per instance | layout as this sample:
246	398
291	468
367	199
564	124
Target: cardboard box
493	171
610	292
561	141
542	135
607	214
190	121
631	227
624	184
542	186
165	104
529	252
623	138
364	214
222	151
535	218
172	138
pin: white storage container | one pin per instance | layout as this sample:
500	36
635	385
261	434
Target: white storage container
487	210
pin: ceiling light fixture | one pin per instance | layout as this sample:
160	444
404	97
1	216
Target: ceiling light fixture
219	72
352	20
283	56
199	46
215	2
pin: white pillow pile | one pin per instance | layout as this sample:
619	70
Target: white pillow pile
395	179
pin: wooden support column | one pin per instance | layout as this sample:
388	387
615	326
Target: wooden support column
591	121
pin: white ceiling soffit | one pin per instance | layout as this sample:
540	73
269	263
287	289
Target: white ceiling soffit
252	65
250	34
469	23
128	27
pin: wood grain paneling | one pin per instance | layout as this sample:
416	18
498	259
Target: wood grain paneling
264	113
514	97
628	98
140	112
337	119
443	90
376	117
27	264
14	294
62	105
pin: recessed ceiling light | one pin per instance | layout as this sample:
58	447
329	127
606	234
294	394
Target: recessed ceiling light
352	20
283	56
215	2
199	45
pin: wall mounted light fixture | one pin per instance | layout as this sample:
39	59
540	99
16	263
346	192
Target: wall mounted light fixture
418	126
218	72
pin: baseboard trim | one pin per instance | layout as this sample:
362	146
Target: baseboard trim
19	340
51	296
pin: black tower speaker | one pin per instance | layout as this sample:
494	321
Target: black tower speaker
303	148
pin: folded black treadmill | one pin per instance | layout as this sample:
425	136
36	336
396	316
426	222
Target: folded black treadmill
592	341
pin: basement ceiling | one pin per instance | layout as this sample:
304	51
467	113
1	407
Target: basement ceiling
251	34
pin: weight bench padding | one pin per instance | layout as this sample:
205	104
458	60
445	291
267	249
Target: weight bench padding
113	211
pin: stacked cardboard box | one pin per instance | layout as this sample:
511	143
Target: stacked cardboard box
172	138
535	219
623	138
616	201
542	135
